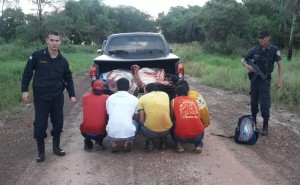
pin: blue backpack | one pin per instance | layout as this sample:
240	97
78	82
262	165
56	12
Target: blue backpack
246	131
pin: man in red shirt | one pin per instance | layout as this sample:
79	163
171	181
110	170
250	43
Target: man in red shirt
94	115
188	127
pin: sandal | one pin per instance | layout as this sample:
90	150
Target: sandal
114	147
127	146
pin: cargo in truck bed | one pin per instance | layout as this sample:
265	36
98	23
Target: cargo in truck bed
145	56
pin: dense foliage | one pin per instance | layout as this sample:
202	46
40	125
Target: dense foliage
221	26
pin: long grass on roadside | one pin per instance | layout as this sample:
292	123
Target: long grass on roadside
10	85
289	93
227	72
221	71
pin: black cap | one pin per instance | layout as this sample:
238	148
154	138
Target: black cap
262	34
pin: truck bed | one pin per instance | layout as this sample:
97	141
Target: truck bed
146	50
168	65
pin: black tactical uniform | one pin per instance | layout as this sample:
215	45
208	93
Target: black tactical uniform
51	77
260	89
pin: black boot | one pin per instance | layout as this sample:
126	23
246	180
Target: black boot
56	149
265	128
254	119
41	152
163	143
149	145
88	144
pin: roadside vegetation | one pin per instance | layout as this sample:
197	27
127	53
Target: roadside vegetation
216	70
212	38
227	72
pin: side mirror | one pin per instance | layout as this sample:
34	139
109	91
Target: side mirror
171	50
99	51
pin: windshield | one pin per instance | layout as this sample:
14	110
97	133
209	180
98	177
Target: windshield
136	46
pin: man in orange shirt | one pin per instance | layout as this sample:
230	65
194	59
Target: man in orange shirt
94	116
188	127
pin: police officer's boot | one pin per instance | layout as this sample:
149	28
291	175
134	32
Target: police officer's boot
265	128
254	119
41	151
56	149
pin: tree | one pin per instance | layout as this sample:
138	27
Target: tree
104	27
259	7
180	24
40	7
96	15
12	18
29	31
294	7
6	4
221	18
91	21
41	4
57	20
262	16
194	32
130	19
79	30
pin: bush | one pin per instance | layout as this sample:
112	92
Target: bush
68	48
2	41
71	48
187	52
18	50
289	92
233	46
89	49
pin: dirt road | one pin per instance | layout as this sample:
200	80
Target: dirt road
275	159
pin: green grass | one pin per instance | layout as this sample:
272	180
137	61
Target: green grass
227	72
289	94
80	62
10	79
220	71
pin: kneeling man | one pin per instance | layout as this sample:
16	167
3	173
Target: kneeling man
188	127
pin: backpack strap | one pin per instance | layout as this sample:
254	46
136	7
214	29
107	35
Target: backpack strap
221	135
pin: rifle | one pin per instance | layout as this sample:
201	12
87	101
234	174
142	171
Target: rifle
257	70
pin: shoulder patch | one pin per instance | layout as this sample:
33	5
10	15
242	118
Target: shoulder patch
278	53
29	58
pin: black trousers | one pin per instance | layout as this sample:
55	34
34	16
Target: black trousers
260	95
44	108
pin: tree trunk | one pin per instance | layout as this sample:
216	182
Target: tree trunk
40	15
1	18
290	50
190	32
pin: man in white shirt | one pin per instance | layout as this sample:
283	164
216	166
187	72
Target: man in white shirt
122	110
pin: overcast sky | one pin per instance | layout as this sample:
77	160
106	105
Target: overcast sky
153	7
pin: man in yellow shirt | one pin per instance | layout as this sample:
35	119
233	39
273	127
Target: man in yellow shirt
203	109
154	116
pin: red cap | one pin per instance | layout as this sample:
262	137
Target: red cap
98	87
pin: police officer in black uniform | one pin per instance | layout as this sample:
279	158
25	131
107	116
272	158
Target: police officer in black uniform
263	56
50	77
